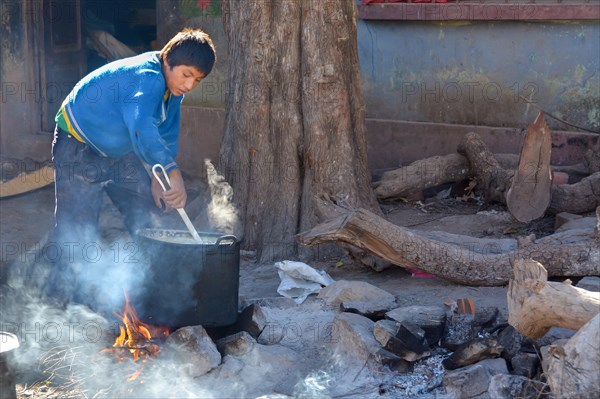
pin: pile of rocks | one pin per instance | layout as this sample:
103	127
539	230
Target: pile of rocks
444	351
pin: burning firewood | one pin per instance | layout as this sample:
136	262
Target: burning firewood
136	338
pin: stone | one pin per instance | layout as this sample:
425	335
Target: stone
525	364
278	356
272	334
252	320
353	337
353	291
354	343
231	367
555	333
432	319
564	217
504	386
194	350
236	344
590	283
474	380
473	352
374	310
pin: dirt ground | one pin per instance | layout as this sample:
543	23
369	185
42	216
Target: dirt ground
27	219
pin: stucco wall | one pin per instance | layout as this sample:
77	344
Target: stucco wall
446	77
20	96
457	73
475	72
461	72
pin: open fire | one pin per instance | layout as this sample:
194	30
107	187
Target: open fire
136	338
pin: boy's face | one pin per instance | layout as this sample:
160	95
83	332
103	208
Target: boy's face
181	78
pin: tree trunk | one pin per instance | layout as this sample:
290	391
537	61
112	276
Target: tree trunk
465	260
535	304
294	124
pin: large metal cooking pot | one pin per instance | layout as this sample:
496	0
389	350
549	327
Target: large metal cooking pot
188	283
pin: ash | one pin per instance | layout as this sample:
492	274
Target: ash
423	381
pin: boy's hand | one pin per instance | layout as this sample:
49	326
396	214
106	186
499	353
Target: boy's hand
176	197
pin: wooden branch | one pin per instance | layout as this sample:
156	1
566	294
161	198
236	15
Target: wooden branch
576	198
492	179
25	182
569	253
431	172
535	304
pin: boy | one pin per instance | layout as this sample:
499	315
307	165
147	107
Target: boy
116	123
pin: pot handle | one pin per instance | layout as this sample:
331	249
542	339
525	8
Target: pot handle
227	237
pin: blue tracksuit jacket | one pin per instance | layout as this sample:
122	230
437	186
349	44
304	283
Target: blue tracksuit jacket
124	106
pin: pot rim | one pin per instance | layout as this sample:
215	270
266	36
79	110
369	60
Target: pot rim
209	238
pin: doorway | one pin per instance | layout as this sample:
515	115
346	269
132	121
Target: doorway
78	36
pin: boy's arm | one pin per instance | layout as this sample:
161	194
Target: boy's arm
139	112
148	143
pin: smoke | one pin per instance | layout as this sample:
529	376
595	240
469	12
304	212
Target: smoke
222	214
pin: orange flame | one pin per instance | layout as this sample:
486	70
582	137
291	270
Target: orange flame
136	337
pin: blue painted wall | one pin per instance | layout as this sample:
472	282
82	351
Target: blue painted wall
474	72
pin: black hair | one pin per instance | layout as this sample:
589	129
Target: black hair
192	47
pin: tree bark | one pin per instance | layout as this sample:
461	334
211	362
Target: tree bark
576	198
495	181
434	171
294	124
530	190
535	304
492	179
474	262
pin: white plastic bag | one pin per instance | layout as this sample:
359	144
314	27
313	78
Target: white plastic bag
299	280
